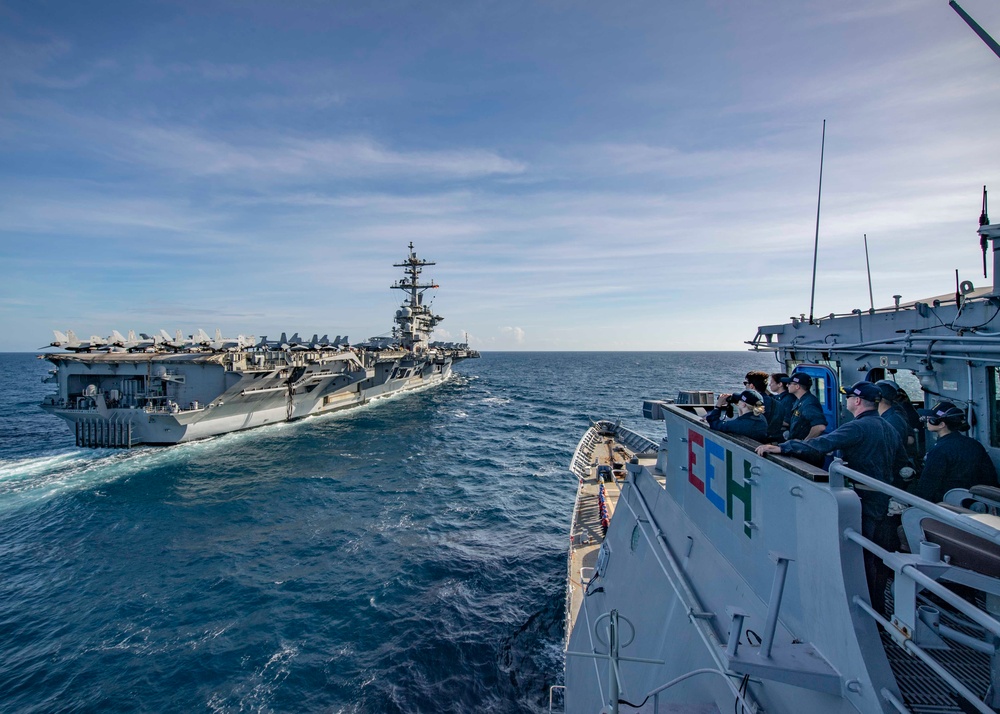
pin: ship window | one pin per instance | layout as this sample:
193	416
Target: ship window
820	390
993	382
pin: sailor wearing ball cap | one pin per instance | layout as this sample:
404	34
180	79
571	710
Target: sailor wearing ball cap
870	445
891	409
888	410
806	420
750	422
955	460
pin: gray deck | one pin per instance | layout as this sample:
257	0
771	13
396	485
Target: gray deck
588	535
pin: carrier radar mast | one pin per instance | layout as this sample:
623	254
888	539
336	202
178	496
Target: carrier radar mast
415	320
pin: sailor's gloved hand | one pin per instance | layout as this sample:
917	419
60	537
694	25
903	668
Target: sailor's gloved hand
907	473
896	507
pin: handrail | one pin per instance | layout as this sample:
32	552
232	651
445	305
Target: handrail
839	472
982	298
833	348
909	570
552	690
894	701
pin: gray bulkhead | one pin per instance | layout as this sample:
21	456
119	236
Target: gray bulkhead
953	353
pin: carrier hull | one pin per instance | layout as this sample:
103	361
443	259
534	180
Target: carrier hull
192	402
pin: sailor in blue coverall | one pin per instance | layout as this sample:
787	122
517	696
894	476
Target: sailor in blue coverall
806	420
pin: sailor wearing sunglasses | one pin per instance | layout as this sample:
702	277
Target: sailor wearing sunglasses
955	460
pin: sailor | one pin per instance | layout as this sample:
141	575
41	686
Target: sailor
750	420
870	445
806	419
890	409
915	423
782	402
757	381
955	460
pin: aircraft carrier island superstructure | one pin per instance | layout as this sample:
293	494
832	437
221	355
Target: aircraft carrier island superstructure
123	392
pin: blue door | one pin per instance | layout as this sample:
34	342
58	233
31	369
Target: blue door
826	387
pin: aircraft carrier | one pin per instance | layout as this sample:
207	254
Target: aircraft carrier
156	390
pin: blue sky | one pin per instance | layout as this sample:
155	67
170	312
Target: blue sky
587	175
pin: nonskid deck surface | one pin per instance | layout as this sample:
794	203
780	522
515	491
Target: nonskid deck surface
600	450
925	693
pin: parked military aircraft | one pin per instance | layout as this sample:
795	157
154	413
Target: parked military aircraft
69	341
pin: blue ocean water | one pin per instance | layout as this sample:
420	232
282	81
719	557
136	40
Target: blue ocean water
407	556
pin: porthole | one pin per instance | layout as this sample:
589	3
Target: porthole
635	537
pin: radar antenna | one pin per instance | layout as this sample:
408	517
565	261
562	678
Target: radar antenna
416	321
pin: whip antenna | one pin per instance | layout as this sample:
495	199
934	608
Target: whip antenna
822	148
871	300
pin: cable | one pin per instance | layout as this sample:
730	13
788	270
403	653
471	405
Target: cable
744	683
976	327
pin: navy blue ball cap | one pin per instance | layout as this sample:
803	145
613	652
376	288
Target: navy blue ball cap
865	390
798	378
750	397
889	389
943	410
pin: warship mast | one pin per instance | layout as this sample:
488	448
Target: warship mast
415	320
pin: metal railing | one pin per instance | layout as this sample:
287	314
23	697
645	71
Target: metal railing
911	626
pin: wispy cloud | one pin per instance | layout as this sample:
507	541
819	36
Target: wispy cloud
191	152
45	65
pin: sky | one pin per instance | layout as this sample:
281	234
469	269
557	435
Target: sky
586	175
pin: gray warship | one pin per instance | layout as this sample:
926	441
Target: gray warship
704	578
121	392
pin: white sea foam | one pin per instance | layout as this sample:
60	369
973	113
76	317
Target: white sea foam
30	480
